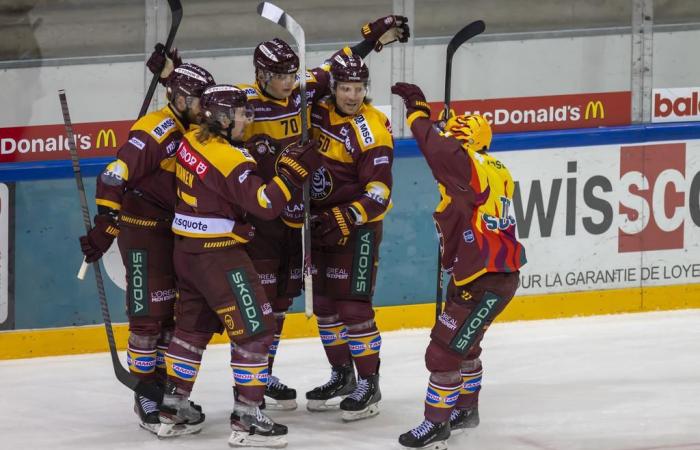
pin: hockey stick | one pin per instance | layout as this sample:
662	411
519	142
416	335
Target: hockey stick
176	17
277	15
126	378
473	29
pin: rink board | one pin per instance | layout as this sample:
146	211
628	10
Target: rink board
610	219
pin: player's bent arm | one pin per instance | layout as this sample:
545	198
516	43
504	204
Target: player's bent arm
374	167
263	200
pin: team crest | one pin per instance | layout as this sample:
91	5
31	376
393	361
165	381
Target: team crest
321	184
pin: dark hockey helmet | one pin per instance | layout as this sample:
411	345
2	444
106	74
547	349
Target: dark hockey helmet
348	68
222	100
473	130
275	56
188	80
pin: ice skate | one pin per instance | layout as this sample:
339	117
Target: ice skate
461	419
250	427
427	435
280	397
179	416
363	402
147	410
342	383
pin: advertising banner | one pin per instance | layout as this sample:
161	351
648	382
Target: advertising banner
609	216
551	112
49	142
676	105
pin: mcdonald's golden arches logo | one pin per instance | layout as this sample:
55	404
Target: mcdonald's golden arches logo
107	136
594	110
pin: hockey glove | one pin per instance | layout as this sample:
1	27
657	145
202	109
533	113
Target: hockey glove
297	162
98	240
412	97
162	63
386	30
333	225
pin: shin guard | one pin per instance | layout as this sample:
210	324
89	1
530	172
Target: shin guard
334	337
183	359
471	372
250	370
364	342
141	356
441	396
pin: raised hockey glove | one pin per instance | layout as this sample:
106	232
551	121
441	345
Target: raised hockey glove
297	162
162	63
386	30
98	240
412	97
333	226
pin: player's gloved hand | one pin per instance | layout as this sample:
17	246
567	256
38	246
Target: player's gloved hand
412	97
98	240
386	30
162	63
297	162
332	225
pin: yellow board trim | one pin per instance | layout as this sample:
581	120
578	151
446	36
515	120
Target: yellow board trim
91	338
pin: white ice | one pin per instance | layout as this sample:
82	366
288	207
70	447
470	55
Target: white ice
620	382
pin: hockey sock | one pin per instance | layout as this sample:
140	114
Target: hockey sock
334	337
182	361
471	373
365	342
161	349
441	396
141	355
279	323
250	370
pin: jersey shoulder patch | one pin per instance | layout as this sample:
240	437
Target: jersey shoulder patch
371	129
250	90
158	124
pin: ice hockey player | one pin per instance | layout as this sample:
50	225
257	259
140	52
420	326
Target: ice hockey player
275	97
135	200
480	250
350	194
218	188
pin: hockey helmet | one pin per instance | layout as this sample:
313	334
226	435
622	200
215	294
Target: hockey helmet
222	100
348	68
188	80
473	130
275	56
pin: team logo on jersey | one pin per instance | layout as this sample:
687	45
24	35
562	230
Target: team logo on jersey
263	146
250	92
321	184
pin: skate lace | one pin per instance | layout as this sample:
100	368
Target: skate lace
262	417
335	376
148	405
360	390
274	383
455	414
423	429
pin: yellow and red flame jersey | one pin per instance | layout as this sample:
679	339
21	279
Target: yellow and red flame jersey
475	217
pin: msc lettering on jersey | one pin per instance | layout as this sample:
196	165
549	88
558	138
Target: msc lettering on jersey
365	132
381	160
163	127
138	143
189	159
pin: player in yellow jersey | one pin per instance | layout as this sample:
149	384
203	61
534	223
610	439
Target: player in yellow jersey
481	252
350	195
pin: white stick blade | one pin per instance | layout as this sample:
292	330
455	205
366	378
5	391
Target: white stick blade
83	269
270	11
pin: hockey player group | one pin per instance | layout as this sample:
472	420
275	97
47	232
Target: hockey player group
205	198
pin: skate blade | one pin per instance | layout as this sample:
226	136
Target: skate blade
280	405
324	405
152	427
245	439
437	445
370	411
168	430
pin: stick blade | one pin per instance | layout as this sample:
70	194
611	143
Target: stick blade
271	12
473	29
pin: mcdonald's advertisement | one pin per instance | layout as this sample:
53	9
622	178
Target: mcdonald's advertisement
49	142
550	112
